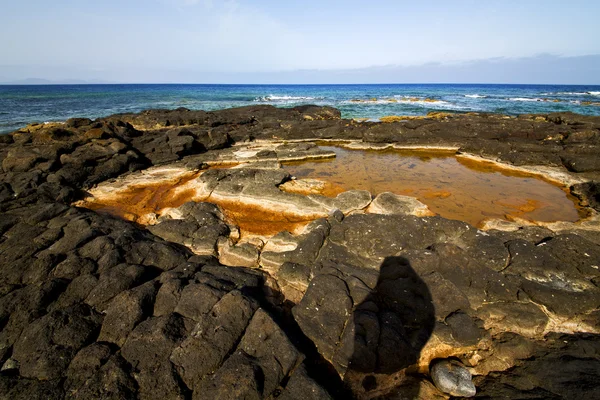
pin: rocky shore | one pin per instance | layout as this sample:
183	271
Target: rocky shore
227	279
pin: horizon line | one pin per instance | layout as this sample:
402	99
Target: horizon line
288	84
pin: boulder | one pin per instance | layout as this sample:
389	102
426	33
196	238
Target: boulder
451	377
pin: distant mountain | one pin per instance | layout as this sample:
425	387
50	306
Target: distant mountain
40	81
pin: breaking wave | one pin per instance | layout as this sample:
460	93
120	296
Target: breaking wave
272	97
571	94
475	96
524	99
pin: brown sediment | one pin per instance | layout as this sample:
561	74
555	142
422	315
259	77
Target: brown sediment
135	201
259	221
466	190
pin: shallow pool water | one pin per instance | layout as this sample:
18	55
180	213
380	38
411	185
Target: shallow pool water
454	188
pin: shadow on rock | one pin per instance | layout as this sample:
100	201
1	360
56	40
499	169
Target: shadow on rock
392	325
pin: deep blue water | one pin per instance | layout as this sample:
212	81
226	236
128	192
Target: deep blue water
20	105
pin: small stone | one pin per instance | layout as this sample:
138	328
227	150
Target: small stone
336	214
451	377
10	365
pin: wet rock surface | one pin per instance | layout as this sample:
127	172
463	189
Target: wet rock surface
358	305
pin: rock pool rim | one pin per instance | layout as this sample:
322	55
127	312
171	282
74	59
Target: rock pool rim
585	213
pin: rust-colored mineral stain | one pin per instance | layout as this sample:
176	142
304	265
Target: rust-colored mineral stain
460	189
135	201
259	221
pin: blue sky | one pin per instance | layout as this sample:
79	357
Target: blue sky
255	41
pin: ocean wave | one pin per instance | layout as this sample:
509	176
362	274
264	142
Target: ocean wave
475	96
571	94
272	97
525	99
564	94
426	102
397	100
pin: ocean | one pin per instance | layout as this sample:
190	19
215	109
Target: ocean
21	105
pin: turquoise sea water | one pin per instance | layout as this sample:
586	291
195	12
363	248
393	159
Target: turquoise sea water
20	105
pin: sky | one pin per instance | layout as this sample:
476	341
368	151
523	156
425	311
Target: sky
308	41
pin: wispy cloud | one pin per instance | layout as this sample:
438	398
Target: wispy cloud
540	69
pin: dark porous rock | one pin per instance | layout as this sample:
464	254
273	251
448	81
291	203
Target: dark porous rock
303	387
200	227
575	251
47	346
168	296
161	148
323	314
213	338
239	278
75	233
76	291
112	380
151	342
271	349
77	122
478	283
30	389
589	193
465	330
97	247
486	246
85	364
197	299
22	306
533	234
125	311
240	377
113	282
560	367
565	303
6	192
162	383
151	119
73	266
537	265
156	254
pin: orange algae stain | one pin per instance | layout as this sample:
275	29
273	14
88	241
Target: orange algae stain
466	190
258	220
135	201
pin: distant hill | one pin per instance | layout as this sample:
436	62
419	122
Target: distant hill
40	81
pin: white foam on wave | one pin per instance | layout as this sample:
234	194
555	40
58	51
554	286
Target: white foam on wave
475	96
272	97
524	99
571	94
426	103
406	101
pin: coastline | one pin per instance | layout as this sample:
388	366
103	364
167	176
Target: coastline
179	303
21	105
